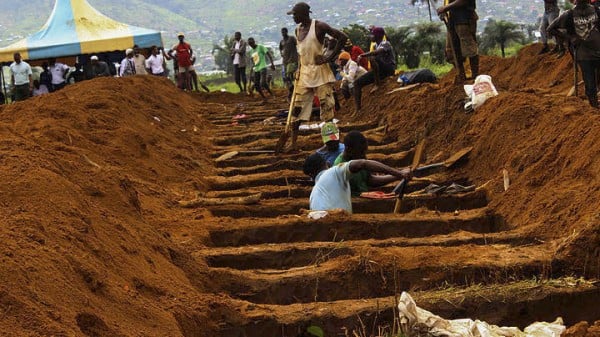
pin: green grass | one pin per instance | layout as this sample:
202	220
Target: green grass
217	82
228	86
438	69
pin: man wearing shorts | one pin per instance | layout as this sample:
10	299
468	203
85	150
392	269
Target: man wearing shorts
461	21
315	75
184	62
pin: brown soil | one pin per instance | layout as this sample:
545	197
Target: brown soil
96	244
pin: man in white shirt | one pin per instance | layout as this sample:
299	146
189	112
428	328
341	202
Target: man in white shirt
332	184
20	77
127	67
351	71
155	63
59	74
140	61
238	55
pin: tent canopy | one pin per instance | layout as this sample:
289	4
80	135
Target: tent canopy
76	28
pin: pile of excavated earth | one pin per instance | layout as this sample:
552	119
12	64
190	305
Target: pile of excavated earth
118	219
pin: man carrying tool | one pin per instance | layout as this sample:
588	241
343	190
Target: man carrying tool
356	146
461	41
582	26
332	186
315	76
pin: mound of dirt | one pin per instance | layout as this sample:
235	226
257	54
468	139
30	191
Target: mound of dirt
546	141
90	177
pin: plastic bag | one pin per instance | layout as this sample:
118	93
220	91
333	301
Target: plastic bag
480	91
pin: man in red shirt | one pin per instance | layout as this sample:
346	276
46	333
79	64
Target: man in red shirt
355	51
184	55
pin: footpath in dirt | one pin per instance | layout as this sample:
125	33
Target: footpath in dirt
120	222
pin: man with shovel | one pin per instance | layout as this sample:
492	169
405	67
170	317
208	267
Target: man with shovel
581	26
314	76
461	41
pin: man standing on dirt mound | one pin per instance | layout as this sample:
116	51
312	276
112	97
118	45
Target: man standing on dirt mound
461	40
315	76
582	26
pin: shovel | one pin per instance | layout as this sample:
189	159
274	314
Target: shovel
286	132
446	163
399	189
232	154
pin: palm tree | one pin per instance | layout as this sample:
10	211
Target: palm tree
429	5
222	54
500	33
398	37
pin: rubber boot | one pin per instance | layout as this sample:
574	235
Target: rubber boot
357	98
474	60
593	99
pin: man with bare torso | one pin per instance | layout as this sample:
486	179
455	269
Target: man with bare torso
315	75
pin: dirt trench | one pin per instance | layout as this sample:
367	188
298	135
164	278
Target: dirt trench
280	272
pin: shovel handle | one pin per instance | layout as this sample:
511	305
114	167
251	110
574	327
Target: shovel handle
292	102
399	191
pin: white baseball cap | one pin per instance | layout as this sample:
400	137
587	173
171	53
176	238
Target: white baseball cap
94	58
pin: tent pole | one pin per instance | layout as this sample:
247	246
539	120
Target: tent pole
3	83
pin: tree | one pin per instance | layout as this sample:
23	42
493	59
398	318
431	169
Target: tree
432	39
500	33
222	54
359	35
429	5
406	45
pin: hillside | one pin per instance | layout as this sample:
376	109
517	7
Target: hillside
206	22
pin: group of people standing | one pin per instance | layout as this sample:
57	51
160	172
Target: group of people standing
259	55
56	75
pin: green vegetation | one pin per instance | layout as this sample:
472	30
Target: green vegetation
501	34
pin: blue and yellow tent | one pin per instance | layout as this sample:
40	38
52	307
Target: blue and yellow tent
76	28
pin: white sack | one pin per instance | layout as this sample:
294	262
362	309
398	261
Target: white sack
481	90
416	321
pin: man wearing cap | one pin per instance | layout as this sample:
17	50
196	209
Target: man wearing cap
20	78
383	64
184	62
331	138
351	71
127	65
98	68
289	54
315	75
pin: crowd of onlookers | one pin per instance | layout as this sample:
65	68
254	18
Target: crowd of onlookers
51	75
